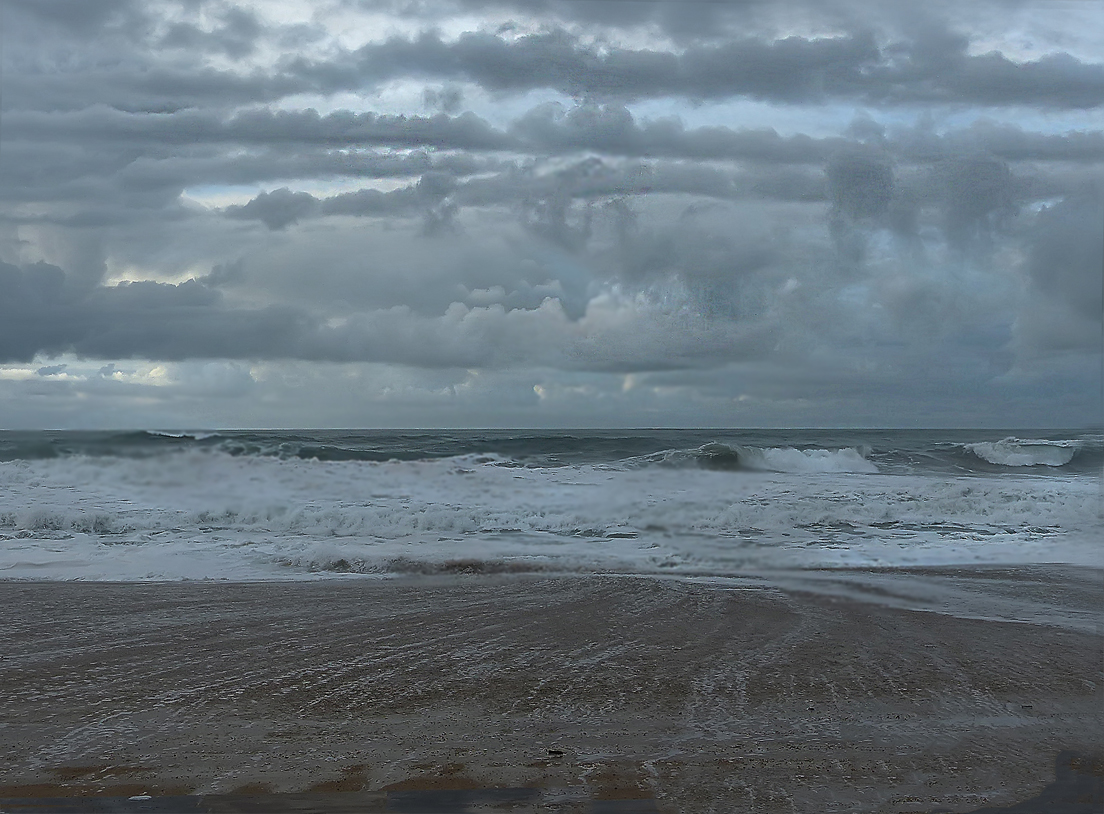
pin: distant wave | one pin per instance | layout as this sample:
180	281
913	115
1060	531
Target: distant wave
796	452
191	436
733	457
1020	452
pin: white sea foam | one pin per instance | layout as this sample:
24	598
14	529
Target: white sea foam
210	515
759	459
1031	452
788	459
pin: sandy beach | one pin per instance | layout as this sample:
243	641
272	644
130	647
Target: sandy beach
829	691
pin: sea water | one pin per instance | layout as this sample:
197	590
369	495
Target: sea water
274	505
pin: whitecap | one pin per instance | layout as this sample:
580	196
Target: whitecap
1019	452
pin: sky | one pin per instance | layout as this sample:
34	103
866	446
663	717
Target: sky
551	213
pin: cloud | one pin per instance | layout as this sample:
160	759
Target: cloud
612	129
43	313
283	207
1001	140
236	36
446	100
860	184
74	15
876	60
560	192
101	167
341	128
1055	80
606	289
1065	264
854	66
276	209
978	195
791	69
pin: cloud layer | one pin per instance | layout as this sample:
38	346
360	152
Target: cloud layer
878	209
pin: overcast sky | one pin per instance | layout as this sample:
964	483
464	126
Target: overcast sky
542	213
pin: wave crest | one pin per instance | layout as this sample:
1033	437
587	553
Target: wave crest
1020	452
783	459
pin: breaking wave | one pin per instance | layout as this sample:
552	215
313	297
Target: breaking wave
714	509
190	436
798	452
732	457
1031	452
800	461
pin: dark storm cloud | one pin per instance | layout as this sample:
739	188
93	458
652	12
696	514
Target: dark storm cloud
860	187
446	100
541	199
236	36
1065	262
860	183
75	15
793	69
677	18
283	207
42	312
929	63
999	139
466	131
613	129
149	159
45	311
978	194
429	190
276	209
898	255
53	172
974	195
119	53
261	127
939	69
152	88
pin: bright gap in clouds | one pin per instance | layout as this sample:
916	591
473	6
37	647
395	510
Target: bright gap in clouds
215	197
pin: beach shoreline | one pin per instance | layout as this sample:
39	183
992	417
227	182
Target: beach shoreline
762	694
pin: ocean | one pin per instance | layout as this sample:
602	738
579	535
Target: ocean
298	505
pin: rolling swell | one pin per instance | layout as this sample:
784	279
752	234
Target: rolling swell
33	446
779	451
1035	455
735	457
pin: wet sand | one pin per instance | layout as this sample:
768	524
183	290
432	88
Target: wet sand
827	691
